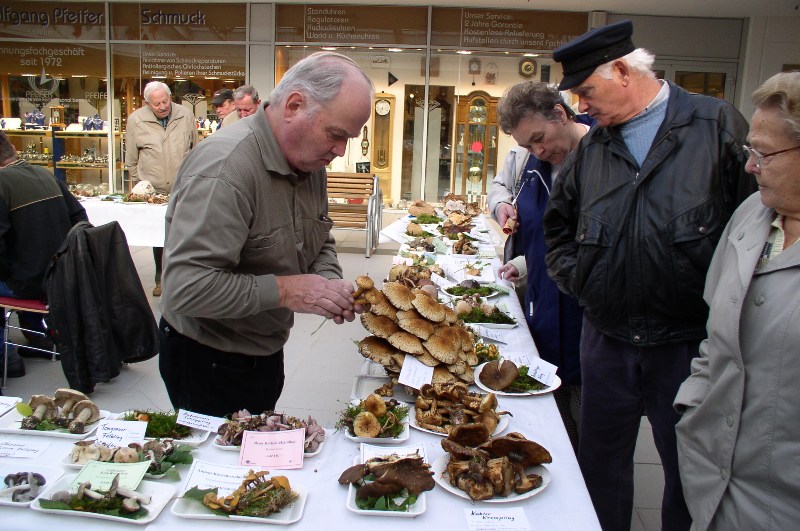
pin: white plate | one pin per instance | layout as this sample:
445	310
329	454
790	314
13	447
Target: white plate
160	492
415	509
502	424
305	454
479	383
496	326
384	440
439	468
186	508
10	423
10	402
50	475
196	437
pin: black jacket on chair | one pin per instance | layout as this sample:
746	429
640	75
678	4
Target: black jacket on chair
99	314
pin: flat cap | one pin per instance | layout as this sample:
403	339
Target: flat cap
221	96
579	57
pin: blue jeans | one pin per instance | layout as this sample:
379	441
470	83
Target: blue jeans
620	383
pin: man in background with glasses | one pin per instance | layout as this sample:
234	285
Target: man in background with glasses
631	226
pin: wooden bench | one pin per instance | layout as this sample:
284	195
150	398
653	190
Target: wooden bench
355	202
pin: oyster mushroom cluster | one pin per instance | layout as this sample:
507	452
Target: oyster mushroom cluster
411	321
232	432
22	486
154	451
87	500
451	409
392	474
496	468
68	408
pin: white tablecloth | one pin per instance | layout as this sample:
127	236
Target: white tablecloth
142	223
563	505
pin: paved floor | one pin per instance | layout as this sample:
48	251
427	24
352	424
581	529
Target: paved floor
321	361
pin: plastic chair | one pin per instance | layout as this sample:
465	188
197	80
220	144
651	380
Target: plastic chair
10	306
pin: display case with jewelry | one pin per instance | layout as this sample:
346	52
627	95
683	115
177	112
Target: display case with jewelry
34	146
85	154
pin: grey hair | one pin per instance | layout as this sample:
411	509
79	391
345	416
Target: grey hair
319	78
152	87
640	61
782	92
530	98
245	90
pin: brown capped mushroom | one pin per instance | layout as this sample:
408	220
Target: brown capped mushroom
43	408
399	295
66	400
85	412
518	449
374	404
366	425
126	455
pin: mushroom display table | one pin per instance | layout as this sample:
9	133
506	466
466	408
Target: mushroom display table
142	223
563	505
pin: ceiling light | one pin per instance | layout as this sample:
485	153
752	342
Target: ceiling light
464	52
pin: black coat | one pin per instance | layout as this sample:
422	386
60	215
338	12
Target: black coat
99	314
633	244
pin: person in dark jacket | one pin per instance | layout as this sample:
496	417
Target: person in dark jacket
36	213
631	227
540	121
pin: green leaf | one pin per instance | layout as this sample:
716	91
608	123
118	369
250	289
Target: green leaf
50	504
24	409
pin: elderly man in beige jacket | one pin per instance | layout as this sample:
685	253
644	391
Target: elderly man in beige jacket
157	138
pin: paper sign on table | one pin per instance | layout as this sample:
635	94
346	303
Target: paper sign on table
542	371
225	478
7	402
441	282
113	433
273	449
497	519
100	474
368	451
414	373
199	421
19	447
489	333
517	357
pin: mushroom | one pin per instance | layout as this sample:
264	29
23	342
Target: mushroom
85	451
66	400
374	404
126	455
366	425
86	412
43	408
518	449
23	486
130	505
85	489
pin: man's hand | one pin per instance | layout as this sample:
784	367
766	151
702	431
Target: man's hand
505	211
508	272
315	294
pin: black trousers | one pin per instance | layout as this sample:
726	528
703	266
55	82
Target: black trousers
209	381
620	383
158	258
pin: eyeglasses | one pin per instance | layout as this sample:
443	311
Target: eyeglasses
759	157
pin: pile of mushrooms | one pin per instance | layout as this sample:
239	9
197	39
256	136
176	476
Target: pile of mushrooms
67	409
131	500
22	486
375	420
153	451
392	474
451	409
495	468
411	321
231	433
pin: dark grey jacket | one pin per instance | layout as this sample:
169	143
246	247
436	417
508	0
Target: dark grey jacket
633	244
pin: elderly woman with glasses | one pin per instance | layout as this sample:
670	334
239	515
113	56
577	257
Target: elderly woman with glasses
739	437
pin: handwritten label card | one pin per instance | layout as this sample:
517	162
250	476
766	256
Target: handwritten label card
415	373
7	402
113	433
517	357
494	334
368	451
273	449
542	371
101	474
199	421
225	478
497	519
22	447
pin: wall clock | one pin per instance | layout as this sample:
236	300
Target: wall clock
382	107
527	67
474	66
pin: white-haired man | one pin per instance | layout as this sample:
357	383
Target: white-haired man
249	240
631	226
157	138
245	101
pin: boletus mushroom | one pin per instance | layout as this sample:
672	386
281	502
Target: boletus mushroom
499	374
85	412
66	400
43	407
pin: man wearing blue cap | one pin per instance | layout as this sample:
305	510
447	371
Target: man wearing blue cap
631	227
